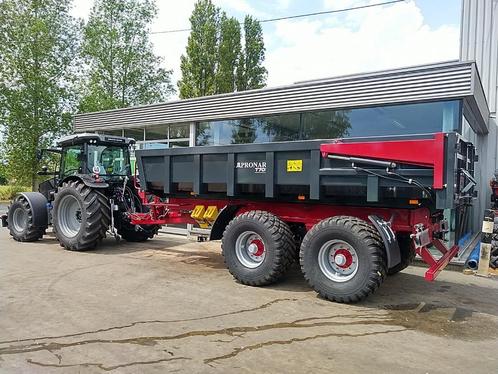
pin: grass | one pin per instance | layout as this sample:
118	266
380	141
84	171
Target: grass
8	192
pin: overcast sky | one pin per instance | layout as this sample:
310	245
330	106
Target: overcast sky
403	34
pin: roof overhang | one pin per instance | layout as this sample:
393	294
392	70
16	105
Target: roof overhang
435	82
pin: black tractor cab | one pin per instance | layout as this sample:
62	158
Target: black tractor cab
96	159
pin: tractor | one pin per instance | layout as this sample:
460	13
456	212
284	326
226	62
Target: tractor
90	193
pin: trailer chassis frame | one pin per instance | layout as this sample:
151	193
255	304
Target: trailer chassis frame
425	229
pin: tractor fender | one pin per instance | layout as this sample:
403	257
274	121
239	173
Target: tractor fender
38	204
389	238
224	217
86	179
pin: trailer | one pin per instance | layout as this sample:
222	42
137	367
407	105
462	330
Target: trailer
351	211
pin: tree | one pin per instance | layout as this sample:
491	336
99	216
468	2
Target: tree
199	63
250	71
214	61
38	50
228	54
123	70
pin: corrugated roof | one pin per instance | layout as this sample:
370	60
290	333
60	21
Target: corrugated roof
452	80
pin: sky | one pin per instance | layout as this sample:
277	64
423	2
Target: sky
403	34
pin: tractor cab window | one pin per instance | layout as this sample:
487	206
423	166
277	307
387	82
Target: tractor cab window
71	160
111	160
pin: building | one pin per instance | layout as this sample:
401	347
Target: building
450	96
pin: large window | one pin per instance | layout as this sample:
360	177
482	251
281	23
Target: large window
166	136
363	122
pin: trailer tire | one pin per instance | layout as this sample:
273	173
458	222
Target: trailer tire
81	216
258	248
358	267
20	219
407	254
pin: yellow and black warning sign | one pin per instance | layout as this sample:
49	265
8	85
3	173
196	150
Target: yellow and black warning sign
294	165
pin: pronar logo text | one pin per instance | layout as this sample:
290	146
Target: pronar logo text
258	166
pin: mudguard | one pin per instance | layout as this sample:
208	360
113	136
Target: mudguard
38	204
88	180
224	217
389	238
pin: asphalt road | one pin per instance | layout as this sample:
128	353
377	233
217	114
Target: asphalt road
170	306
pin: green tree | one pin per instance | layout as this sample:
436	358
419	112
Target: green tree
199	63
123	70
250	71
215	61
229	50
38	48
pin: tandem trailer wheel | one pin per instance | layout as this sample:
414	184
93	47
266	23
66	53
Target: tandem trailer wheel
343	258
258	248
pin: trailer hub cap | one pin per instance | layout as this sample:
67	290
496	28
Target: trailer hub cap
338	260
250	249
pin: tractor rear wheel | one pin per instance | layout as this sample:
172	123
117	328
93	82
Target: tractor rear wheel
81	216
20	219
258	248
343	259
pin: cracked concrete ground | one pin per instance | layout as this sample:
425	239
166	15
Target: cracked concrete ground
169	305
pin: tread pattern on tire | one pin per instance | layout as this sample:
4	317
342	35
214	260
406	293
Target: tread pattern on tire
31	234
369	235
98	213
281	234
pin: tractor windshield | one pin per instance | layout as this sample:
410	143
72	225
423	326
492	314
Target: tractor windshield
111	160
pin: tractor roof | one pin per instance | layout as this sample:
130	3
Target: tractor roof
98	138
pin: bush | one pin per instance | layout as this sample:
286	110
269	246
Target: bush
8	192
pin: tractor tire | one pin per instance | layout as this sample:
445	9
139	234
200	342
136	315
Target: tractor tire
20	219
407	252
343	259
258	248
128	232
81	216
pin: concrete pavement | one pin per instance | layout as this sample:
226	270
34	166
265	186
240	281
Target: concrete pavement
169	305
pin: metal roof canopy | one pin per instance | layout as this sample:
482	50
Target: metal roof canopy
434	82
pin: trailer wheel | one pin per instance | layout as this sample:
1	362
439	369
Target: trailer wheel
343	259
20	219
407	254
258	248
81	216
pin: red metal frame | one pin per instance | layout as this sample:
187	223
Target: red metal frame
421	152
178	210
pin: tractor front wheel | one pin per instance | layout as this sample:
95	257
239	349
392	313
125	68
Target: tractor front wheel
20	219
81	216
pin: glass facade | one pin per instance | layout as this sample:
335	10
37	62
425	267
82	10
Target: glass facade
329	124
157	136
